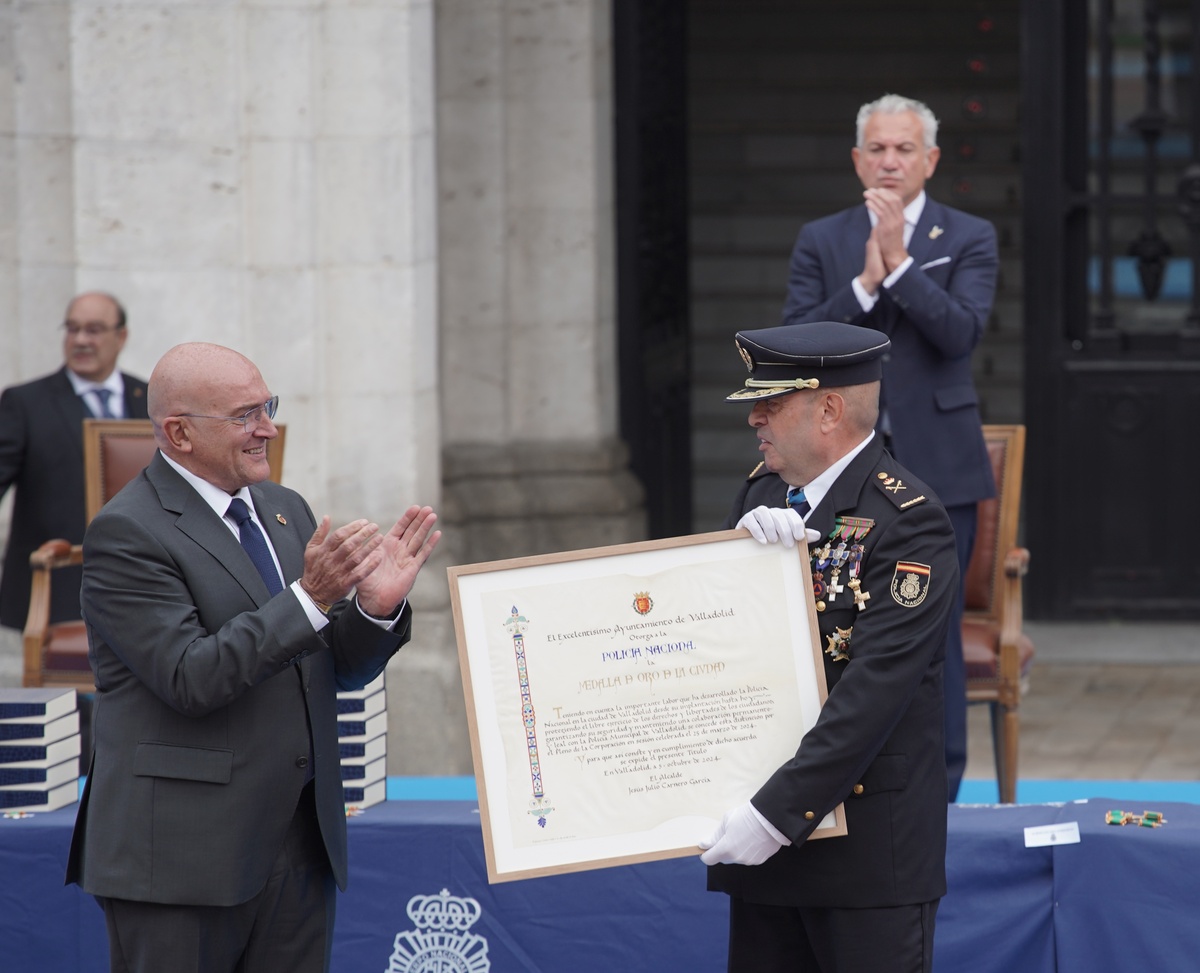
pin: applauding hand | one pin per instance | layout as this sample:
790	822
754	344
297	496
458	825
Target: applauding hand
399	558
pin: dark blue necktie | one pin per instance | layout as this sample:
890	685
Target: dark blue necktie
103	395
795	500
254	544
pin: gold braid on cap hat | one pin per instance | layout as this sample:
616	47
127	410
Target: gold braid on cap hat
795	383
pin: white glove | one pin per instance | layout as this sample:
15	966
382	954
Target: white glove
782	524
744	837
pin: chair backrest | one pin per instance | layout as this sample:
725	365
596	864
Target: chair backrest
998	517
117	450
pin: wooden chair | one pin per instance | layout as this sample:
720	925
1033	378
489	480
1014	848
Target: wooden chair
997	652
114	452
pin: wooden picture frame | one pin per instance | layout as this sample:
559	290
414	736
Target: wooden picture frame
621	699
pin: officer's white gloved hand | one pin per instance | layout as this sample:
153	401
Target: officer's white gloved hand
742	838
768	525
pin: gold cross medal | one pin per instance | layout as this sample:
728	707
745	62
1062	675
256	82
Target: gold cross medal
838	648
861	596
910	583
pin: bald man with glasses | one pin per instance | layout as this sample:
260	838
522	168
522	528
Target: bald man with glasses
223	619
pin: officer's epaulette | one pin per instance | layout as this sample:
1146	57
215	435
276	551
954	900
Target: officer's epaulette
899	492
760	470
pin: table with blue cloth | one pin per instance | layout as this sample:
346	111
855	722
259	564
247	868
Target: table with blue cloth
1122	898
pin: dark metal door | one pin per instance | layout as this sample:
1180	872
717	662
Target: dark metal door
652	255
1112	319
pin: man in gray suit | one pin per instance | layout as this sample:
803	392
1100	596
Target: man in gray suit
212	828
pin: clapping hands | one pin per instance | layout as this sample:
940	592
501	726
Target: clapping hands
382	566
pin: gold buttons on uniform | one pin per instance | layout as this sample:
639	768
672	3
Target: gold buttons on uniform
808	815
858	788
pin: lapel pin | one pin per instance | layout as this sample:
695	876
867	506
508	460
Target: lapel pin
282	519
936	232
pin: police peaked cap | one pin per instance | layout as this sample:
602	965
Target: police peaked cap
822	354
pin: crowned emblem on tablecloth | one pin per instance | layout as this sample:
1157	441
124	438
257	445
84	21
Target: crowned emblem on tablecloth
442	942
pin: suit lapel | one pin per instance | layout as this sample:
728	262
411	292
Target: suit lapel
69	408
284	537
135	398
854	234
931	221
200	523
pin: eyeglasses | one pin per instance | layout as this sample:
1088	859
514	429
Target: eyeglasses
255	415
73	330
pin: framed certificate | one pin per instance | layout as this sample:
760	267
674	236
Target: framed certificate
622	699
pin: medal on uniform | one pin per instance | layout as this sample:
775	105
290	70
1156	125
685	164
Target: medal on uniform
838	647
834	588
842	552
860	596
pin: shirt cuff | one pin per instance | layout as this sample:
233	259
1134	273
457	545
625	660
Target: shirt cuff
896	274
384	623
317	617
865	300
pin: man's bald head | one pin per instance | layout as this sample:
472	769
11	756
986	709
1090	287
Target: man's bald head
192	377
197	394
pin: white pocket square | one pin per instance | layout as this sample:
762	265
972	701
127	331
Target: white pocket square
935	263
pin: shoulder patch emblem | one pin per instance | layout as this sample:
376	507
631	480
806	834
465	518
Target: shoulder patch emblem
910	583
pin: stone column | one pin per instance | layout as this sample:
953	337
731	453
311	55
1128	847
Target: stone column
37	231
532	460
261	175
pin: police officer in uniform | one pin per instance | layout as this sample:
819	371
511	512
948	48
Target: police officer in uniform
885	576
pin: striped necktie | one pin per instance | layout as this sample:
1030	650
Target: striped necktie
104	395
795	500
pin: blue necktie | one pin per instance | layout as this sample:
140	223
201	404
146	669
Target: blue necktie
795	500
254	544
103	395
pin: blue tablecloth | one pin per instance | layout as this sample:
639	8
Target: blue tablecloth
1122	898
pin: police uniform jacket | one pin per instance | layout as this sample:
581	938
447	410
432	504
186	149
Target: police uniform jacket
877	745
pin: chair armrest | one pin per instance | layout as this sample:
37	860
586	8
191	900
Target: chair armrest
56	554
1012	615
1016	562
42	562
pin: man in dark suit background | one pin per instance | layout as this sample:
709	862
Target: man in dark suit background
924	274
885	576
212	827
41	447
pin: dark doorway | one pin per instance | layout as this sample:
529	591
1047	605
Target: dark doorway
1112	237
649	41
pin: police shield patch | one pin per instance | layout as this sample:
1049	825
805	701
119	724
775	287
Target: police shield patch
910	583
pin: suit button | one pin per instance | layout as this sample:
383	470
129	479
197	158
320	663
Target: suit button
858	789
301	762
808	815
